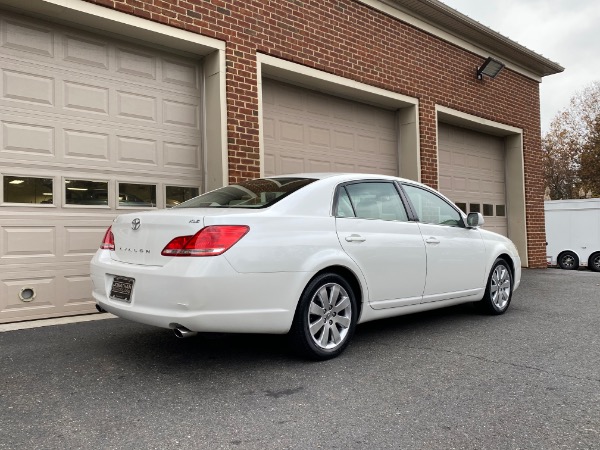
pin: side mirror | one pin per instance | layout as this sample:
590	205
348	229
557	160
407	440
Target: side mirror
474	219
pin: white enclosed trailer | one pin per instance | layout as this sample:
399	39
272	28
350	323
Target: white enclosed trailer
573	233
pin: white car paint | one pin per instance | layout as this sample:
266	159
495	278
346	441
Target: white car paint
392	258
455	262
255	286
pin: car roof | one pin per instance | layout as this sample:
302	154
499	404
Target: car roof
341	177
345	176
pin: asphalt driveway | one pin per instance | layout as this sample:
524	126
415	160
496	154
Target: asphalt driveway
440	380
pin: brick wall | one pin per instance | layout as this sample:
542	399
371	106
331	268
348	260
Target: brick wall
351	40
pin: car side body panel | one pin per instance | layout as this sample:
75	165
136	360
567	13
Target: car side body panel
392	258
456	262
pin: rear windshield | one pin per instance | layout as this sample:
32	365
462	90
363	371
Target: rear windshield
259	193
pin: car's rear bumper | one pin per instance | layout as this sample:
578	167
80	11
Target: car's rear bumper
201	294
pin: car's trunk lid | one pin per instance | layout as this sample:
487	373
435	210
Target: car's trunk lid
141	237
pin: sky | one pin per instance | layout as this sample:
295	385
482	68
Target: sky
563	31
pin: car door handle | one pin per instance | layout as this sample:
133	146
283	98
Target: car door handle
432	240
355	238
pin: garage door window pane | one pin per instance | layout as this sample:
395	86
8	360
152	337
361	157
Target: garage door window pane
86	192
28	190
500	210
179	194
377	201
488	210
137	195
474	207
462	207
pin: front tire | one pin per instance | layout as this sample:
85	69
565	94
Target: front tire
499	288
568	261
325	318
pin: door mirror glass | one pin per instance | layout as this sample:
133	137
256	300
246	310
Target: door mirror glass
474	219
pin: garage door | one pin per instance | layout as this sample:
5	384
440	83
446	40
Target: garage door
90	126
306	131
472	173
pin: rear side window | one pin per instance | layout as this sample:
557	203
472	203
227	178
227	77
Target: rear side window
432	209
371	200
344	206
259	193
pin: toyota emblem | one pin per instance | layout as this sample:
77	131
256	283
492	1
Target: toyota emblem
135	224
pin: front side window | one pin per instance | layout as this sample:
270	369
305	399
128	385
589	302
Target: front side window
30	190
462	206
371	200
259	193
432	209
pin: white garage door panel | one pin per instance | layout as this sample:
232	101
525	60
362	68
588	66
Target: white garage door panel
77	105
472	170
50	254
59	292
52	141
305	131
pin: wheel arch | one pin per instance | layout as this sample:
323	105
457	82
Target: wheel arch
511	264
348	275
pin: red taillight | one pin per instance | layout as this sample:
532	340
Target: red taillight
210	241
108	243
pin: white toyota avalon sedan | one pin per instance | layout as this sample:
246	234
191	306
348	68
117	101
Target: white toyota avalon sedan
311	255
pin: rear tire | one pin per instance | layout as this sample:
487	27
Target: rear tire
594	262
568	261
499	288
325	318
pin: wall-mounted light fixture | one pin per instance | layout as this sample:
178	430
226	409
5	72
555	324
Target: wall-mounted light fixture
491	67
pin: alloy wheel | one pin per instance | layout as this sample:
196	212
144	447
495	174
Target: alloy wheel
500	285
329	316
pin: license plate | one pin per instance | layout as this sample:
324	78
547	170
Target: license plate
121	288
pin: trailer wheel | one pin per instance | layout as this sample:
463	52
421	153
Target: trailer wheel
594	262
568	261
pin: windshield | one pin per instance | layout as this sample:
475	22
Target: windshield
259	193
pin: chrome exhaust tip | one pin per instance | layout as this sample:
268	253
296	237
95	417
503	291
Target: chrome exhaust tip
99	308
183	332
